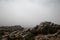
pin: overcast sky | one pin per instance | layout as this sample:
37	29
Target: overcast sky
29	12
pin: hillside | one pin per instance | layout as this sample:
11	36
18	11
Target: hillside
10	29
43	31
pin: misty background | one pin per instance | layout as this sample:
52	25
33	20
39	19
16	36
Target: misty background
29	13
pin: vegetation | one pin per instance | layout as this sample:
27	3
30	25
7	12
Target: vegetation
44	28
30	37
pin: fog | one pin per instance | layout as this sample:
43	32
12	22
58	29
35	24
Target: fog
29	13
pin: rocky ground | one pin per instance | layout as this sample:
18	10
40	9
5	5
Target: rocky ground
43	31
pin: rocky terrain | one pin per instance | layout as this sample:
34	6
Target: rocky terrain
9	29
43	31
